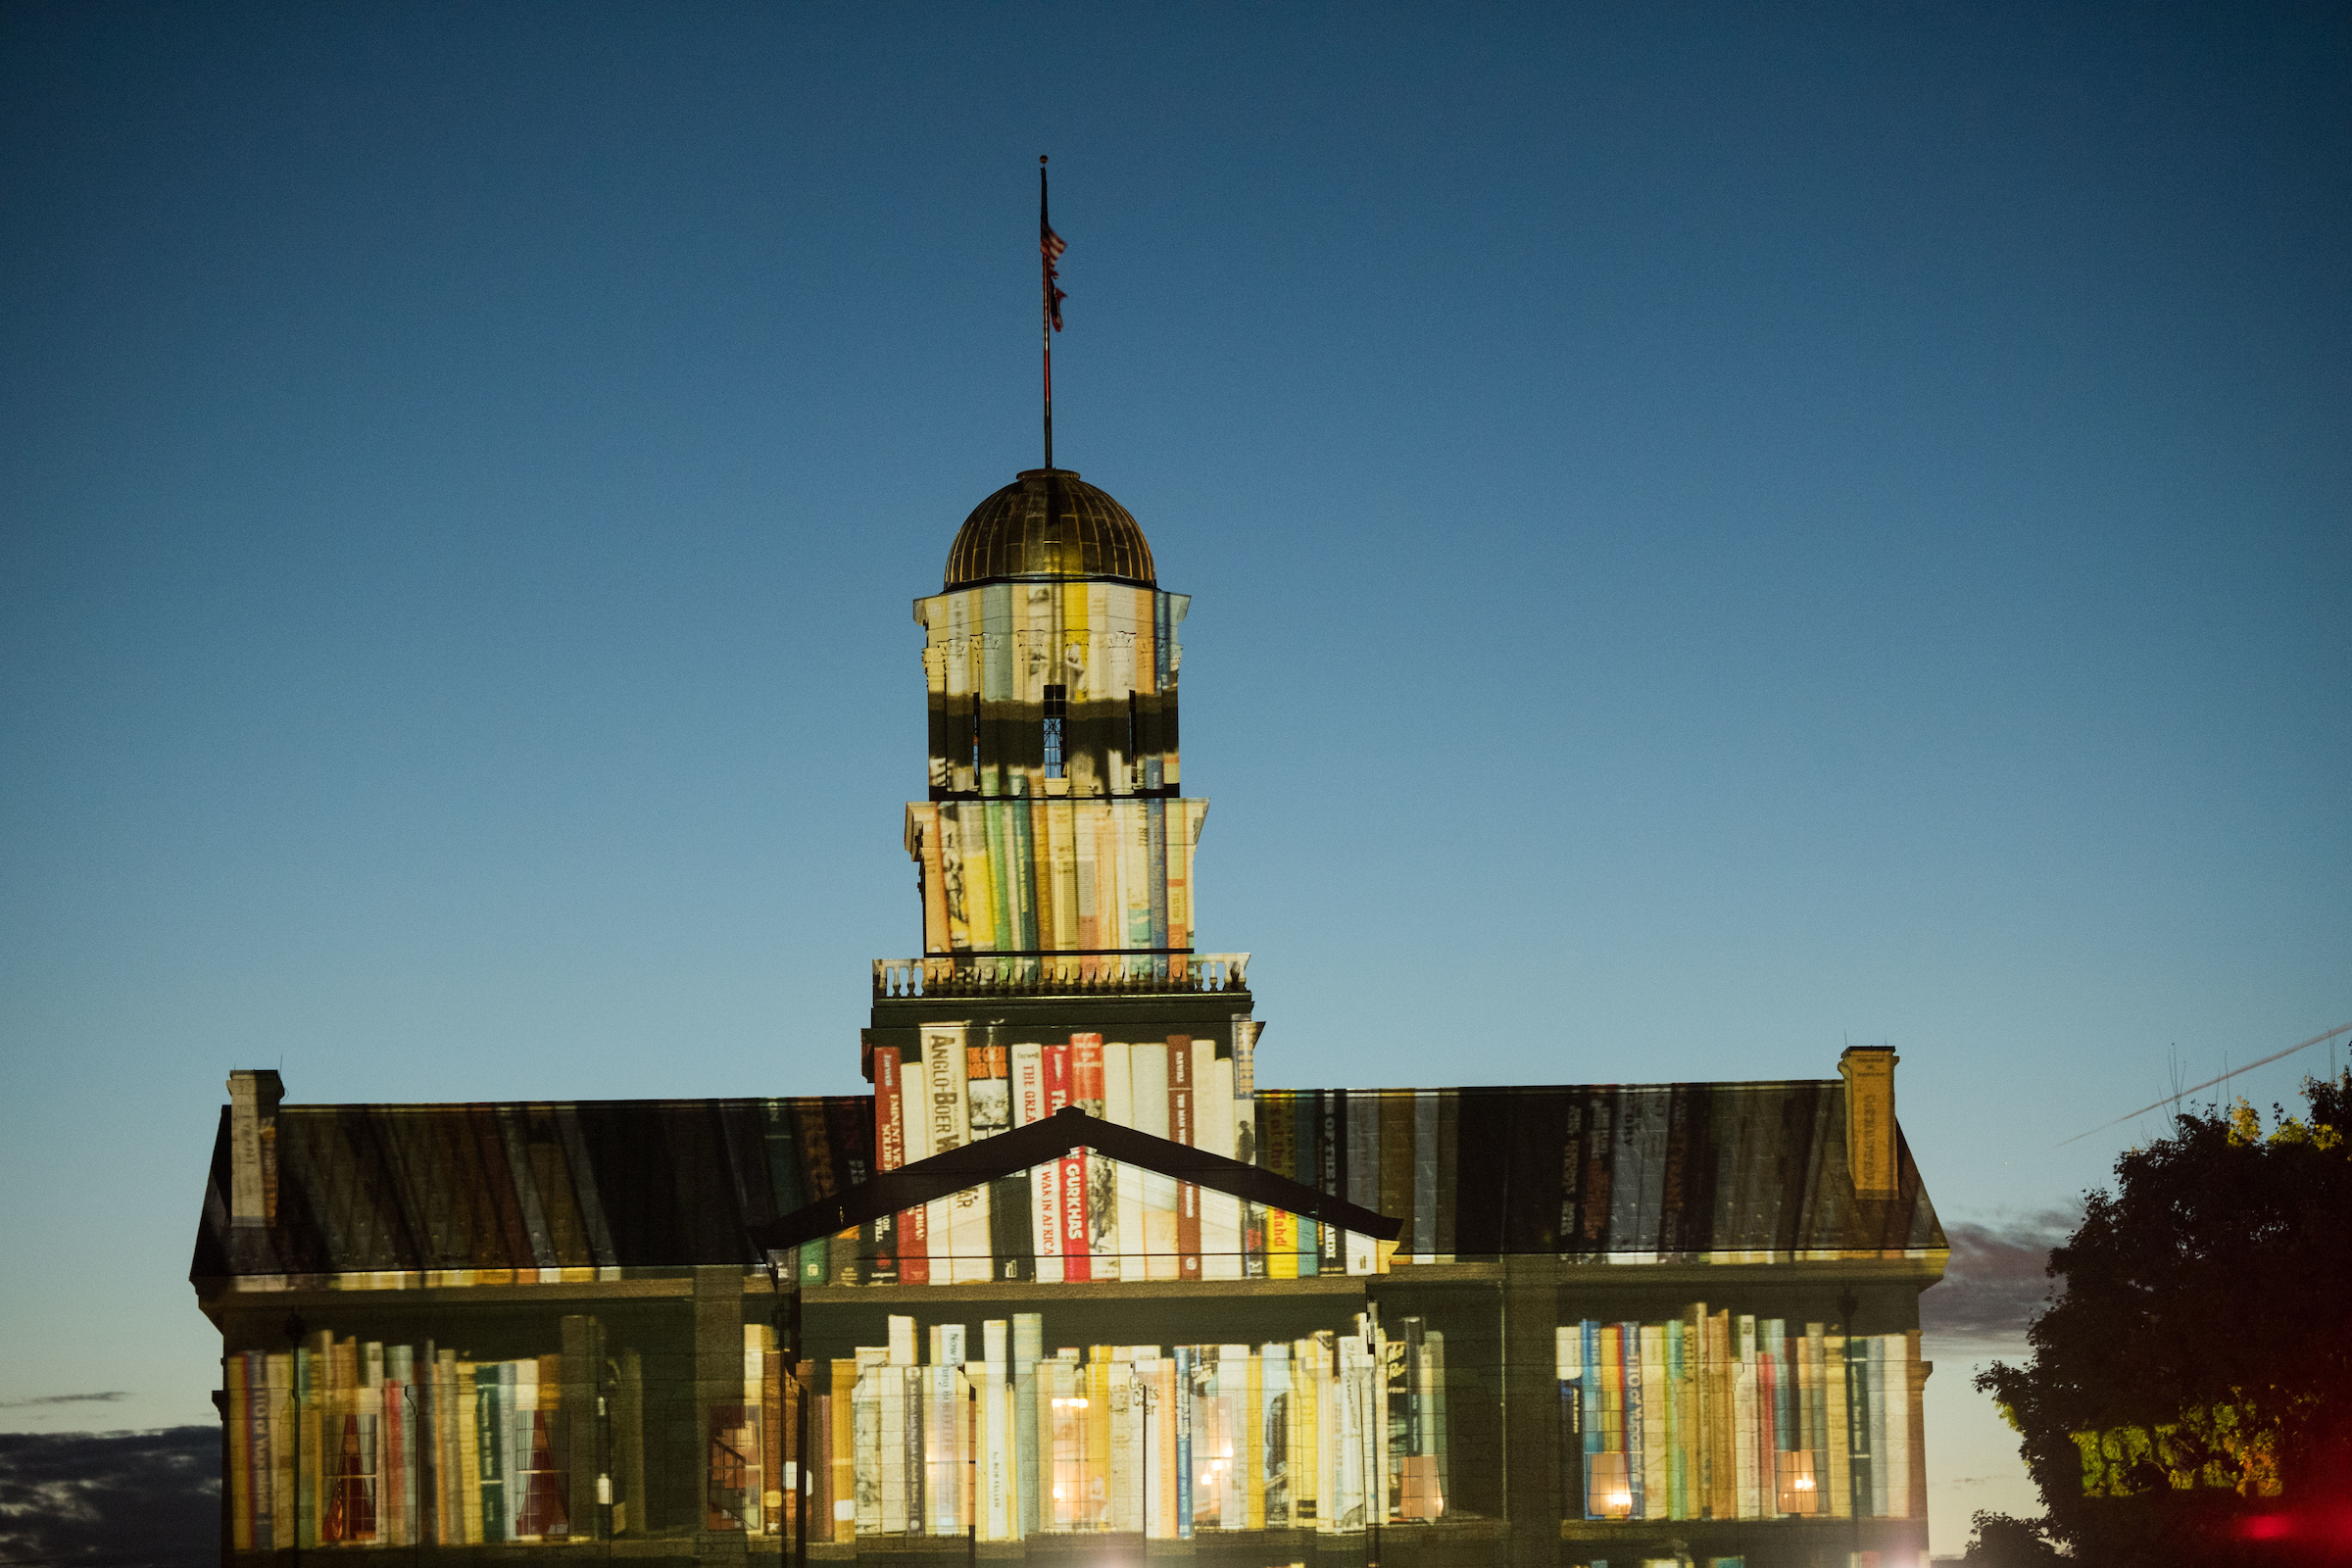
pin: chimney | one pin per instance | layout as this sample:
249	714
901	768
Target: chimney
1869	1074
253	1097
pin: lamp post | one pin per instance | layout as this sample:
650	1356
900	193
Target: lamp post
407	1399
1376	1476
1847	1306
784	1313
804	1487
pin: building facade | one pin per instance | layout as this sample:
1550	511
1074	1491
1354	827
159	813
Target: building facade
1069	1282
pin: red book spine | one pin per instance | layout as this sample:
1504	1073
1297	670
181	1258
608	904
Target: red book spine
1077	1221
1090	1211
1069	1174
1057	1077
1076	1260
911	1234
1181	1130
890	1141
1085	1073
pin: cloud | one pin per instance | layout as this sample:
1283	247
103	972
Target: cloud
108	1398
1998	1277
126	1499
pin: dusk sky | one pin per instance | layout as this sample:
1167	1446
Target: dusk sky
1715	534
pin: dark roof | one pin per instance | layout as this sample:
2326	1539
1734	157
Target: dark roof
1040	1143
1661	1170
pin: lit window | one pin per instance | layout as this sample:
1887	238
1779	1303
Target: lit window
1800	1493
1608	1486
1057	714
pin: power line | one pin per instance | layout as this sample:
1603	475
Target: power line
2339	1029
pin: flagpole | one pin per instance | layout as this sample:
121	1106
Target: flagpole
1046	326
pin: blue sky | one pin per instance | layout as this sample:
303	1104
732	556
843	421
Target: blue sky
1713	533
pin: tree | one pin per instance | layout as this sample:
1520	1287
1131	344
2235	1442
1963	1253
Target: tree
2189	1395
2001	1541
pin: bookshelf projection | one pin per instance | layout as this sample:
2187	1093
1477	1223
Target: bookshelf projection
1326	1433
1716	1416
400	1196
350	1443
1085	847
1085	1219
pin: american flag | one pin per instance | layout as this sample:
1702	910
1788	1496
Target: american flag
1049	247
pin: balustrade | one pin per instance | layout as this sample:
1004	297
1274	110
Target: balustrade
988	974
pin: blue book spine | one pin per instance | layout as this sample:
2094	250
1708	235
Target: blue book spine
1677	1483
1596	1439
1184	1443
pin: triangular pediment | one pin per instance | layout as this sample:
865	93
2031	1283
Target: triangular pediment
1069	1129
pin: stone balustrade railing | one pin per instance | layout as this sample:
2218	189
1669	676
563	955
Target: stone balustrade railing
1059	974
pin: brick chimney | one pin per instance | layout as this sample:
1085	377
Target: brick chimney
1869	1074
252	1097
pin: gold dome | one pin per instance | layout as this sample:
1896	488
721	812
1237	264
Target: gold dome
1047	524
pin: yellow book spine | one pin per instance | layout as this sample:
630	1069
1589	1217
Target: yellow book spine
755	1425
1253	1441
842	1472
1097	1438
1721	1438
470	1456
312	1437
1841	1462
1165	1415
240	1453
1281	1244
1307	1438
1612	1394
282	1428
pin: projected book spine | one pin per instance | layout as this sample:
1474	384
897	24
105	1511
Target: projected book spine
1055	1075
1568	1370
1153	1115
1221	1245
1089	1089
890	1152
1181	1130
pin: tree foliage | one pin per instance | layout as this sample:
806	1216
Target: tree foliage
2001	1541
2189	1395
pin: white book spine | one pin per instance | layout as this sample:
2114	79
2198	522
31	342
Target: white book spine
1118	1108
1028	1068
1149	1065
1220	1212
866	1414
1898	1427
948	1111
1123	1466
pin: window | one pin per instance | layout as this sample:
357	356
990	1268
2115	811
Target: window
975	740
1057	714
